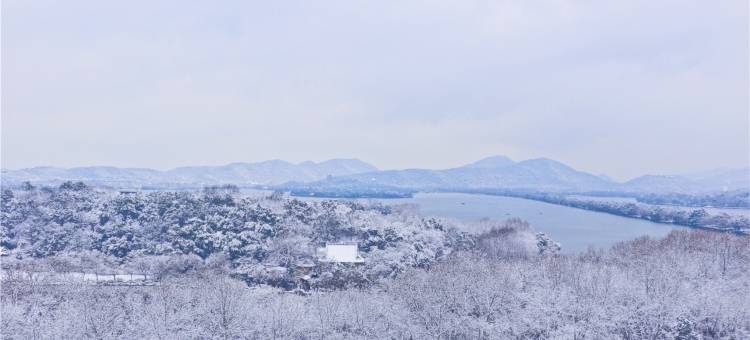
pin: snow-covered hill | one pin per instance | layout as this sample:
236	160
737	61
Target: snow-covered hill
268	172
494	172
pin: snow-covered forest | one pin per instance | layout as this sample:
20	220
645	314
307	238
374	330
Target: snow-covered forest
224	266
729	199
88	230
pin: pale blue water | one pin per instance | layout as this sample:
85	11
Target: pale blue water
575	229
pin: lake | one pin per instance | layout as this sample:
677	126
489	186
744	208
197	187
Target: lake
575	229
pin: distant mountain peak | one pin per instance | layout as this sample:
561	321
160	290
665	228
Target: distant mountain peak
274	162
492	162
267	172
547	163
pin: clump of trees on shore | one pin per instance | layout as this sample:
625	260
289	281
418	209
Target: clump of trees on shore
729	199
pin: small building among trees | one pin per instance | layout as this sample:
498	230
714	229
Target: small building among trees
340	252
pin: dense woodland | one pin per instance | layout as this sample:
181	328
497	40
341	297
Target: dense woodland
90	230
208	255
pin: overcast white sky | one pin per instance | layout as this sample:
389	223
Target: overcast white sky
618	87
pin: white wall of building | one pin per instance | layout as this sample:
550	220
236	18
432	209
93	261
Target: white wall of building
342	253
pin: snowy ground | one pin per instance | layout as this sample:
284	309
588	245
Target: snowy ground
72	277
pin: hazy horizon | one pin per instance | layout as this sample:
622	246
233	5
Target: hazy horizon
707	170
622	89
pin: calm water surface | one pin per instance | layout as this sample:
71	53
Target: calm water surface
575	229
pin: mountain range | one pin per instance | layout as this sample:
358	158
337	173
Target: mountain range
541	174
496	172
262	173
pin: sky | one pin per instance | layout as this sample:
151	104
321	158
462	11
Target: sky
622	88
